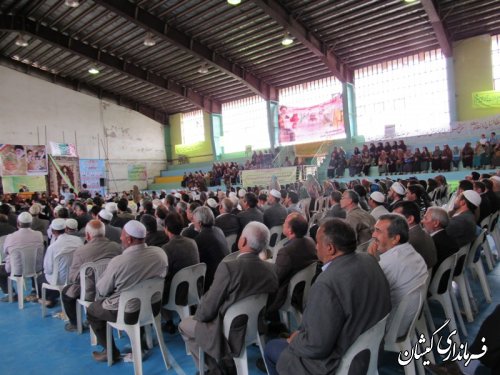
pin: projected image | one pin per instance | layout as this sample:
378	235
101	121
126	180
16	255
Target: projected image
311	124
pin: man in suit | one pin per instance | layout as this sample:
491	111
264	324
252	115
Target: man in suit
97	247
435	221
292	202
251	212
234	280
297	253
462	224
226	220
212	245
419	239
335	209
340	307
154	237
276	213
137	263
360	220
190	231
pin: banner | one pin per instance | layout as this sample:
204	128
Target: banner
137	172
311	124
486	99
23	160
13	184
63	149
91	171
63	171
262	177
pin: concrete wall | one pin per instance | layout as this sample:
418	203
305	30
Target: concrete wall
473	72
34	111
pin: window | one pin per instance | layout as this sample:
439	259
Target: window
192	129
310	93
410	93
245	123
495	60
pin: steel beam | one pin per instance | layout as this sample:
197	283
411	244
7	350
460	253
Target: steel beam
48	35
438	27
162	30
300	32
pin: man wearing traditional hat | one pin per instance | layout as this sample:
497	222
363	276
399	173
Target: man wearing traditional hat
62	243
396	193
24	236
112	233
276	213
376	203
462	225
40	225
97	247
137	263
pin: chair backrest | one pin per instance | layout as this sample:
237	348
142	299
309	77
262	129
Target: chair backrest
305	275
28	260
231	239
275	235
144	292
190	275
66	259
315	218
461	260
277	247
94	270
251	307
2	240
493	221
304	205
445	272
474	247
411	303
368	340
485	223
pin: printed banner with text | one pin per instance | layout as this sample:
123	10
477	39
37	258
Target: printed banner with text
15	184
311	124
63	149
91	171
262	177
23	160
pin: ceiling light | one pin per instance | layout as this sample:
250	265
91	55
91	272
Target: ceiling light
72	3
287	40
22	40
411	1
93	70
233	2
203	69
149	40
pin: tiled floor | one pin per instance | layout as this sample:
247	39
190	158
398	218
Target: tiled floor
31	344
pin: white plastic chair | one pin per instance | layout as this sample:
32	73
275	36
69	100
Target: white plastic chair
65	257
476	265
462	282
2	255
394	341
494	229
305	275
304	205
145	291
28	255
231	240
189	275
251	307
91	268
488	255
275	234
368	340
276	248
445	271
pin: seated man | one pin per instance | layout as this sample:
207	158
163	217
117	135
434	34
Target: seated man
24	236
360	220
276	213
137	263
462	225
97	247
297	253
62	243
340	307
234	280
155	236
227	221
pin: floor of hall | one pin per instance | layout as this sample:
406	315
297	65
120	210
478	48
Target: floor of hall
35	345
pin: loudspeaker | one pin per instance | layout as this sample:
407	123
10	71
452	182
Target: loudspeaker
102	182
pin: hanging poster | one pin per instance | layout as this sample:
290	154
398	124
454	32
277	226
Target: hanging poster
91	171
69	174
16	184
137	172
36	160
311	124
63	149
13	160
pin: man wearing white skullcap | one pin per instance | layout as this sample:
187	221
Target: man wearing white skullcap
24	236
112	233
276	213
376	203
396	193
462	225
62	243
137	263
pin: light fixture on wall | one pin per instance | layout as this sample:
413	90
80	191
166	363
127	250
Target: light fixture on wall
287	39
203	69
149	40
72	3
22	40
94	70
233	2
